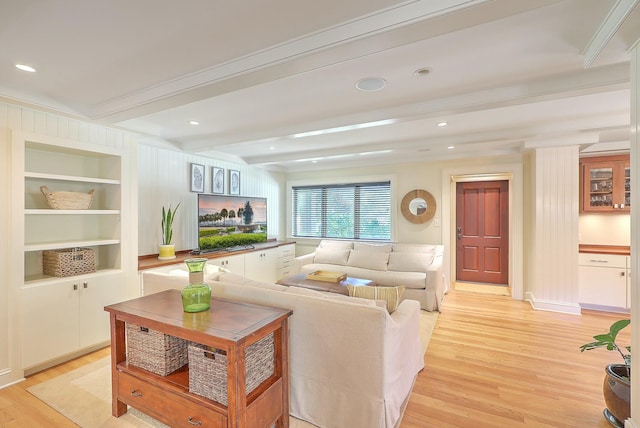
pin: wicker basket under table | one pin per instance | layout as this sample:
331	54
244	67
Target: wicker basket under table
154	351
208	368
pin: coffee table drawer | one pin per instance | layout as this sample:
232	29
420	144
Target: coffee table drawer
176	411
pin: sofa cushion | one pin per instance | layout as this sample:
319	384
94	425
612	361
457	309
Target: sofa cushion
332	256
233	278
343	245
382	248
414	248
410	262
391	295
339	297
368	260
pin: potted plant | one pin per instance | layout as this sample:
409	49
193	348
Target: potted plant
167	250
617	382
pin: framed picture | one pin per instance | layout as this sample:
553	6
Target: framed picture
234	182
217	180
197	178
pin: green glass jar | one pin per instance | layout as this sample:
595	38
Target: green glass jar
196	297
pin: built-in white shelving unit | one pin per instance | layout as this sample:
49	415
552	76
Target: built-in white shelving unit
63	316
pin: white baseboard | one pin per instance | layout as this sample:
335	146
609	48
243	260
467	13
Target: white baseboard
547	305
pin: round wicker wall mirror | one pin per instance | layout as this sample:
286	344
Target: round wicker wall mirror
418	206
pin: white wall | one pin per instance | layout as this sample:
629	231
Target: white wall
605	229
163	179
404	178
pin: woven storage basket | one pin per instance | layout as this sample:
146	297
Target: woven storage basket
68	261
208	369
154	351
68	200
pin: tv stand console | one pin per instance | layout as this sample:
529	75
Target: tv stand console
228	326
268	261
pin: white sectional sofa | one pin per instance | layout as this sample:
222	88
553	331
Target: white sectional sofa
417	267
352	364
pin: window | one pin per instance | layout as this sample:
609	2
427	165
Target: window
349	211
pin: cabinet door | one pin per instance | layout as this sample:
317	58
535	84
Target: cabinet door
606	184
626	185
49	321
261	265
598	186
96	293
233	263
603	286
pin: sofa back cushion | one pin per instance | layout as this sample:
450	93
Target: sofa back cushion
414	248
332	256
234	278
343	245
410	262
368	260
334	296
381	248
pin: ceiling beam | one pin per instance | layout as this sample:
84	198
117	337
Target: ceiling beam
609	27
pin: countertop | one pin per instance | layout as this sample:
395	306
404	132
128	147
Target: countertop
622	250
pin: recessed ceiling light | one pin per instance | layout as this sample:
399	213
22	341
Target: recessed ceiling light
422	72
450	147
25	67
272	148
442	123
371	84
194	122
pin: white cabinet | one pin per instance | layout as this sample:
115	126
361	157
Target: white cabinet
233	263
286	256
267	264
604	281
62	316
261	265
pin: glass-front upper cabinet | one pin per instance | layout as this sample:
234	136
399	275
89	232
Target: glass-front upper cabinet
606	184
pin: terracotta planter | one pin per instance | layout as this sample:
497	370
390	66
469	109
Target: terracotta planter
617	394
167	252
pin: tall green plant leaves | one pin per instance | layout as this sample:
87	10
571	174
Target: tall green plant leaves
167	224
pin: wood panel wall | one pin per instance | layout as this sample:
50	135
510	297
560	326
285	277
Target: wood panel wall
554	256
163	179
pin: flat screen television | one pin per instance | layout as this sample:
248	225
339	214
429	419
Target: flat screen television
230	222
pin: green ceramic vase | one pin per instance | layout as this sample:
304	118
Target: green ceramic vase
196	297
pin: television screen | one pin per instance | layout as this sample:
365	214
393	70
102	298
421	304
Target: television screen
230	222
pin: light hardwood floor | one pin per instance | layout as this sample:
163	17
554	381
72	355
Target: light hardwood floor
491	362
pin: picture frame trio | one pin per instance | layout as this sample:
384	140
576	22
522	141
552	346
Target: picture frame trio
217	180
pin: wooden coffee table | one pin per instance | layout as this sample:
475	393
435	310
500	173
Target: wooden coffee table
300	280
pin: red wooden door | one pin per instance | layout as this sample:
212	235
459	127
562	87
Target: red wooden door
482	232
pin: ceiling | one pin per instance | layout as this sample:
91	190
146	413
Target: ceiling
506	76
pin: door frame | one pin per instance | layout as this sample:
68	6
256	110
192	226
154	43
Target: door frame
511	172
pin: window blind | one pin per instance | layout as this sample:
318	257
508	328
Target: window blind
348	211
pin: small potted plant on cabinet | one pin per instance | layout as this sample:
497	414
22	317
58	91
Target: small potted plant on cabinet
167	250
617	382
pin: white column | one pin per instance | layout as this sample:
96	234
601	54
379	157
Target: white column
553	258
635	237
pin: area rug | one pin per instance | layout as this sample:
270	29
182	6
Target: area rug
84	395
